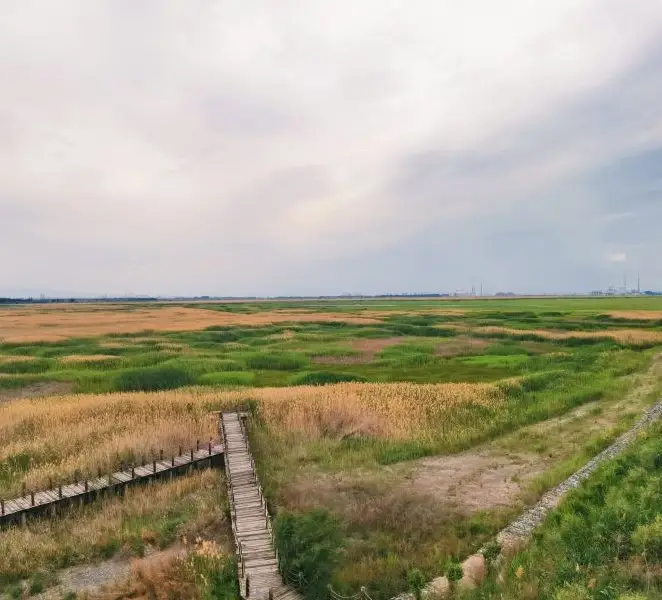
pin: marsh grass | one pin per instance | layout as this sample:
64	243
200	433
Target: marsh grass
157	516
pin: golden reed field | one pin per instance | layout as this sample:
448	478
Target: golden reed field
80	433
38	324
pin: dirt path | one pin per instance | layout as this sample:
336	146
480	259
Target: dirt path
91	579
496	475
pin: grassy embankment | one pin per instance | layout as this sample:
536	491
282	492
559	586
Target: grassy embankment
604	542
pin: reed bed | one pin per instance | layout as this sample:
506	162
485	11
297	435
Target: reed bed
57	437
635	337
87	358
394	411
32	324
153	515
8	359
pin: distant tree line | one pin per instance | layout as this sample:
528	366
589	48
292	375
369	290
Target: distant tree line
70	300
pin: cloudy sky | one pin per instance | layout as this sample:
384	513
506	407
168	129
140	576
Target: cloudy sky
321	147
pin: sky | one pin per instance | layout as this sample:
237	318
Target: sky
326	147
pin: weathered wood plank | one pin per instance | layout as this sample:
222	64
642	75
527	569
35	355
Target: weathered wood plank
87	489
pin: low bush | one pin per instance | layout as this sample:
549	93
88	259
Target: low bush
324	378
309	546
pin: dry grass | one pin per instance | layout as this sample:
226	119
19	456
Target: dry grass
65	434
644	315
87	358
8	359
397	411
624	336
54	324
168	575
82	536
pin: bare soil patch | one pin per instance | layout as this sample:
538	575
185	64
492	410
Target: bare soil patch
37	390
31	324
476	481
94	580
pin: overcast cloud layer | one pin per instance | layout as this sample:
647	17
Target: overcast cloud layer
255	147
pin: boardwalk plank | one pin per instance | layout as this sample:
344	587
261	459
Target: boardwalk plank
251	525
73	491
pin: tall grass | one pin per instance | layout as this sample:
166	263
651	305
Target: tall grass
156	515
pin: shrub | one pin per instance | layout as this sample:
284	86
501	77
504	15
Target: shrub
309	544
416	582
647	539
324	378
454	572
152	379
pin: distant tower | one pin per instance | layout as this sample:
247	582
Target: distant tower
625	282
481	287
638	283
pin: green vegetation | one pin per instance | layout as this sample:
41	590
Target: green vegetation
605	541
309	546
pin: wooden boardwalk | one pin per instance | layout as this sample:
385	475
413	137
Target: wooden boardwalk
259	578
48	502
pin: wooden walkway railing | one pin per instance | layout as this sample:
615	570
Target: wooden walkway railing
259	577
48	502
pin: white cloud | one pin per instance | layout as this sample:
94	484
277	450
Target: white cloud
617	257
296	133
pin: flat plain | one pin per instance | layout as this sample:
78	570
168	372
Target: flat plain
409	431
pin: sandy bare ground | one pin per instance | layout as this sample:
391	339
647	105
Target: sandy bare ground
478	480
40	324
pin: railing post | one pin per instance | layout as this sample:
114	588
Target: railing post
248	586
60	492
161	454
173	460
197	445
32	498
209	446
271	594
154	465
191	455
86	485
133	471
